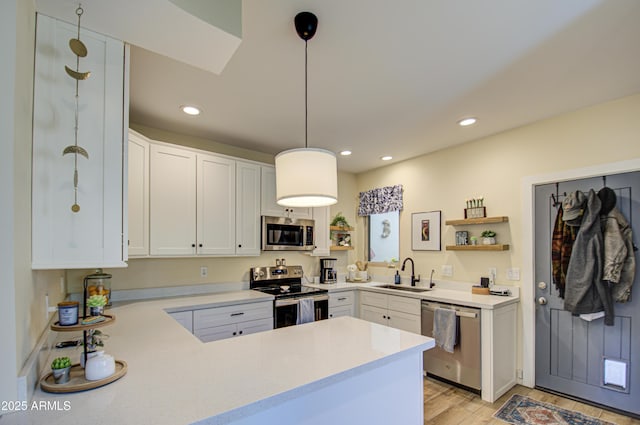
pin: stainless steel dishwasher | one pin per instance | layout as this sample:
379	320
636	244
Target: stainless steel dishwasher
463	365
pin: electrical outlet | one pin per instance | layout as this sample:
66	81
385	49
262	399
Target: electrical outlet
204	271
446	270
62	291
513	273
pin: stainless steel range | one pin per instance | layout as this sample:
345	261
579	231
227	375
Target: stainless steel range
285	283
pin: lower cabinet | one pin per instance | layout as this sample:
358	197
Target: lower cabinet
185	318
212	324
391	310
342	304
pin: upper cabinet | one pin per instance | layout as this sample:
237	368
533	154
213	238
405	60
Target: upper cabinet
198	203
95	235
268	204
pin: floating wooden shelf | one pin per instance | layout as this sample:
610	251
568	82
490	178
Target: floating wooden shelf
340	248
78	382
482	220
110	319
341	229
496	247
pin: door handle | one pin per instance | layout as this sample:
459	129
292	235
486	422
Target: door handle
542	301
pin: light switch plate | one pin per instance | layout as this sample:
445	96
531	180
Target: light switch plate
513	273
446	270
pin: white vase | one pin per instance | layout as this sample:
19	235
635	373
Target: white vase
489	241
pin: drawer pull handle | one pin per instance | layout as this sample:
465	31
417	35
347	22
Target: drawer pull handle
342	299
236	314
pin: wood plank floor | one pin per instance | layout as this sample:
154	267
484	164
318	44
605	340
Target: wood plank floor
448	405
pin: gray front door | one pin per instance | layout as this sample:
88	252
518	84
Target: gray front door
572	353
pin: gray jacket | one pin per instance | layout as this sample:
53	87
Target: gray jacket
619	255
586	292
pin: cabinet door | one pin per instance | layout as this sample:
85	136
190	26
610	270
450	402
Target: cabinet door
138	195
216	204
404	304
185	318
248	209
172	212
216	333
343	310
321	228
404	321
95	235
268	204
255	326
373	314
374	299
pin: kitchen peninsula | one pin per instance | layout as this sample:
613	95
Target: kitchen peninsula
332	371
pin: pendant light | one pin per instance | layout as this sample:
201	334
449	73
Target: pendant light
306	177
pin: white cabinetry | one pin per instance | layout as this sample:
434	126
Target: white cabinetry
212	324
342	304
95	236
200	204
216	203
391	310
172	211
248	209
185	318
322	235
268	203
498	336
138	195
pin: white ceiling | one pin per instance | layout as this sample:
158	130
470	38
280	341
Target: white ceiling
393	77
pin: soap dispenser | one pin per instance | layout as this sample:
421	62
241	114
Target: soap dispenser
397	278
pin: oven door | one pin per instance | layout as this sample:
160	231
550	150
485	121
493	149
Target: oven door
285	311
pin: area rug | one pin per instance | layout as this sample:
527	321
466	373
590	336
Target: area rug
521	410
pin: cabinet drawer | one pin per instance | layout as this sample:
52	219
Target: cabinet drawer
404	304
210	317
374	299
341	298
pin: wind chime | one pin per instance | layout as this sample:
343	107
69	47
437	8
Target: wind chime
80	50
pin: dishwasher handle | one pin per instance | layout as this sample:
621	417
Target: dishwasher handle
469	314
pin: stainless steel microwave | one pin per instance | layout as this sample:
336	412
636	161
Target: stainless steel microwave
287	234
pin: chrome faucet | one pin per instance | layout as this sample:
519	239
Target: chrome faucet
413	277
431	282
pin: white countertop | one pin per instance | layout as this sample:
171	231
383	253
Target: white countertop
174	378
439	294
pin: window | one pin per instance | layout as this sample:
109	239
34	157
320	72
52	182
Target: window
384	237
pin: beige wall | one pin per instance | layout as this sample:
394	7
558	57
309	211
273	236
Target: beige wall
494	168
25	288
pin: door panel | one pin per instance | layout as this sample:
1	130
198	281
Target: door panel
570	351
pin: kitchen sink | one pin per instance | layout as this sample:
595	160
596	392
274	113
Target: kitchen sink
405	288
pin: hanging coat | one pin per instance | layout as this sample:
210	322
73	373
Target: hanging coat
585	290
619	255
562	241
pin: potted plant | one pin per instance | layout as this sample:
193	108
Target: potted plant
488	237
340	221
96	304
61	367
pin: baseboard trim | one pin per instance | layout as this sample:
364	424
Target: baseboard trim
27	380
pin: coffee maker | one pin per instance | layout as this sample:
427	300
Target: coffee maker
328	272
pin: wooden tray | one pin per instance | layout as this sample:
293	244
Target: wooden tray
78	382
60	328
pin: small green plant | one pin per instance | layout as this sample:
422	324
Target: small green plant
339	220
488	234
96	301
61	363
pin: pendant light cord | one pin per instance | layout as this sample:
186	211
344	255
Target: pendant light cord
306	107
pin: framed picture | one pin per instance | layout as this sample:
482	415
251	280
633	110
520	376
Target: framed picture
425	231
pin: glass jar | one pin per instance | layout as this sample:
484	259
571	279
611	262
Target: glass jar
98	283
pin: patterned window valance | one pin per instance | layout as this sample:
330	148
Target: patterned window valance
380	200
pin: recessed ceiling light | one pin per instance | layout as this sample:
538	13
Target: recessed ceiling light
345	153
386	158
467	121
190	110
